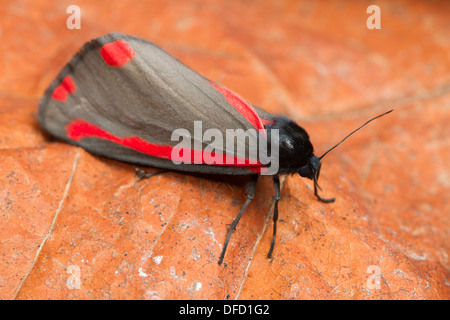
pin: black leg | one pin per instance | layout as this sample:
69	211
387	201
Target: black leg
276	185
144	175
251	194
320	198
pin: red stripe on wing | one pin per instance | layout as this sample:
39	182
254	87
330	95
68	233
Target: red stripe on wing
264	121
243	107
79	129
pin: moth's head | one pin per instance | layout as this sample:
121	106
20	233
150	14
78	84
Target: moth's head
295	149
311	169
296	152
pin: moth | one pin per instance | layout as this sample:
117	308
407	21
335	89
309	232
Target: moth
123	97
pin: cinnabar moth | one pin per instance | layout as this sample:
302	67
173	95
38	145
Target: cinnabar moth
122	97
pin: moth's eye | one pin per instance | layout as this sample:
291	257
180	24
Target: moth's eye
305	172
315	162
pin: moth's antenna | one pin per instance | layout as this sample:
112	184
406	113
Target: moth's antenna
355	131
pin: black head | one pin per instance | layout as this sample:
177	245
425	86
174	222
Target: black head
295	149
311	169
296	152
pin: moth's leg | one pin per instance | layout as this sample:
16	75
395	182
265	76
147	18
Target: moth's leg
320	198
144	175
276	185
251	194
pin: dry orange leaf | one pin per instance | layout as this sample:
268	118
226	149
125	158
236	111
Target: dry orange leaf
77	226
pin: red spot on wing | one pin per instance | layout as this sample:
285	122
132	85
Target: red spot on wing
66	87
243	107
117	53
79	129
